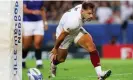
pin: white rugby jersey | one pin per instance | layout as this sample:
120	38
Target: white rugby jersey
71	21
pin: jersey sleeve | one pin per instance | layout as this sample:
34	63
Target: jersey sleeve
71	24
25	3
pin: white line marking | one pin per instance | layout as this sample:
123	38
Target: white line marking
96	76
86	77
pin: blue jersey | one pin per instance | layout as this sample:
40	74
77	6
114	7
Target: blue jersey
33	5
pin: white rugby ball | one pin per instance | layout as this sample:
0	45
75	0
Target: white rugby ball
34	74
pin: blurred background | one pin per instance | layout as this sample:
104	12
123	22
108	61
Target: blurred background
112	30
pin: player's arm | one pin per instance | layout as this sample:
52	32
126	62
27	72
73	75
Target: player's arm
26	10
43	14
70	25
44	17
29	11
60	39
58	42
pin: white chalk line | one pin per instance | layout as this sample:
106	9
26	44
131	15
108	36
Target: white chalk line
86	77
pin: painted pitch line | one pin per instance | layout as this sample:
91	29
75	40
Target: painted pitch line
84	77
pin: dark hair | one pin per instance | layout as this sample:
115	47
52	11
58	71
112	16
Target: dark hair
86	5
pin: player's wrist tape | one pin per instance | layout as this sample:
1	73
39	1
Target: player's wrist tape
45	23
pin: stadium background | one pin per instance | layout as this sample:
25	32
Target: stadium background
109	32
109	37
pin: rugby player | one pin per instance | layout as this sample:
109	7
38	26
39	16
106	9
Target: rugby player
34	24
70	30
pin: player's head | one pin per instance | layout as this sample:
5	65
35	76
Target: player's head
87	11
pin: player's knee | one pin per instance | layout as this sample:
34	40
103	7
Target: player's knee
37	45
26	46
91	47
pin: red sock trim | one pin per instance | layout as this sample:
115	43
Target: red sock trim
95	59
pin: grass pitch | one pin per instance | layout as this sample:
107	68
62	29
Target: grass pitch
82	69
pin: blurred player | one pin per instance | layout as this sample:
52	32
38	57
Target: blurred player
70	30
34	25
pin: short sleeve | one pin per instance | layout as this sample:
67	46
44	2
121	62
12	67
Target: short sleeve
25	2
71	24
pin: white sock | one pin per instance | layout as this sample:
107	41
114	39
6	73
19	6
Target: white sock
38	62
23	60
98	70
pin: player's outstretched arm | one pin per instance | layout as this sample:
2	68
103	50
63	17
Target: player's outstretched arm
58	42
60	39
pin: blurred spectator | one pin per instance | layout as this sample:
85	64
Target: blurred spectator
114	40
107	11
104	12
55	9
126	11
116	11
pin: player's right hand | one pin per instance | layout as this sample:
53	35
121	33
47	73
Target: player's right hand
53	54
36	12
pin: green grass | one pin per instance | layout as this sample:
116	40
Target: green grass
82	69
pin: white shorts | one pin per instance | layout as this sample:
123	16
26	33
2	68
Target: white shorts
72	38
33	28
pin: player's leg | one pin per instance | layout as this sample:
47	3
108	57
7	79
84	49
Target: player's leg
38	38
38	52
86	42
61	57
63	49
27	40
61	54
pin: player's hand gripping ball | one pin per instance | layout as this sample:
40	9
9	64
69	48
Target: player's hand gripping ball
34	74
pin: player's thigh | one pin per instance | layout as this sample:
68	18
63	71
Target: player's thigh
38	28
38	33
27	41
66	42
28	28
38	40
86	42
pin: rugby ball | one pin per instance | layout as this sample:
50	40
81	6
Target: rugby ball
34	74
